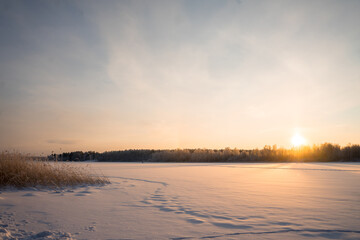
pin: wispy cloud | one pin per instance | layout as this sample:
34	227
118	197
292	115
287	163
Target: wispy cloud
61	141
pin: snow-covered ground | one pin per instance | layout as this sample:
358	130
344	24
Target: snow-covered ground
193	201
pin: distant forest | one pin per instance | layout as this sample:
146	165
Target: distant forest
326	152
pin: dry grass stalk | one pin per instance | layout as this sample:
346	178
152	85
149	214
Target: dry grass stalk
17	170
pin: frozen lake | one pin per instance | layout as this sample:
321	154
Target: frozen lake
196	201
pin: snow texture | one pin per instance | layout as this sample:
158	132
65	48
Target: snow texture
193	201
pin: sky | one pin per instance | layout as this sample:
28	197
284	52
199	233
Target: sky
113	75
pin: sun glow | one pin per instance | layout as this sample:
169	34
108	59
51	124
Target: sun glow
298	140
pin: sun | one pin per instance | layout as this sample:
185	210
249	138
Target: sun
298	140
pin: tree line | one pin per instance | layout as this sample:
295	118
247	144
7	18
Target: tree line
325	152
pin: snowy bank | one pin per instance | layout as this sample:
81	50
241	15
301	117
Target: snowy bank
194	201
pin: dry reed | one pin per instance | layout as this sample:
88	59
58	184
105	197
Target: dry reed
17	170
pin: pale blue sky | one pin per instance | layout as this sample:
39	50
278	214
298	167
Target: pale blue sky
109	75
